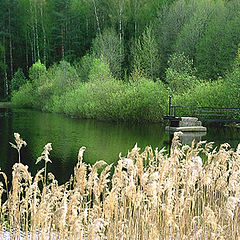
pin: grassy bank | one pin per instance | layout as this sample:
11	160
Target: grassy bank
149	195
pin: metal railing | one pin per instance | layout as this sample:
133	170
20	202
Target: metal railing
203	113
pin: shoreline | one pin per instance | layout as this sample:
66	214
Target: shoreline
5	104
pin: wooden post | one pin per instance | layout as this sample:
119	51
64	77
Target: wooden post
169	105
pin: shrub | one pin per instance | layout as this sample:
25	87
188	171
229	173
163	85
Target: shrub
24	96
180	74
84	67
114	100
36	71
18	80
103	97
208	94
99	71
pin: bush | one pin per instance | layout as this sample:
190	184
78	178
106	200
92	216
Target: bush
114	100
100	70
24	96
179	82
180	74
36	71
208	94
18	80
84	67
103	97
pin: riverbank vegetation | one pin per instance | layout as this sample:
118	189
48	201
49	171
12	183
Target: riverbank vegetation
119	60
190	193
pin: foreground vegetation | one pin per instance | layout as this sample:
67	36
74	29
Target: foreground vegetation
191	193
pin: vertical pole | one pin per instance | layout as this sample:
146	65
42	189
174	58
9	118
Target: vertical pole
169	105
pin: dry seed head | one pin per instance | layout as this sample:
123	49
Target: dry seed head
80	175
103	180
210	217
144	178
80	153
97	228
127	162
238	149
232	202
154	176
18	141
134	152
45	153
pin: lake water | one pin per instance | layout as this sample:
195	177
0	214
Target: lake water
103	140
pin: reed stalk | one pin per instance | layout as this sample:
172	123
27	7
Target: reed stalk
150	195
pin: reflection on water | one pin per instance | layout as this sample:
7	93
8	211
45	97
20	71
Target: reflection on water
187	137
103	140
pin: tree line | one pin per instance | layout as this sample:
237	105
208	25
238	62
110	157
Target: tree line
176	41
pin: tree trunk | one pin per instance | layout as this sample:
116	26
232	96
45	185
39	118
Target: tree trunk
135	20
6	87
10	40
44	37
26	52
32	39
36	30
97	19
62	33
120	26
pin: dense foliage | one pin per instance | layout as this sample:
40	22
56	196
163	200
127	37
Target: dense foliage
60	89
187	45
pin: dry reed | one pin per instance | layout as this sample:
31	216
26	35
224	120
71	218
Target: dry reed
151	195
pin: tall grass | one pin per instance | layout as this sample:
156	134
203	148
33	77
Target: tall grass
150	195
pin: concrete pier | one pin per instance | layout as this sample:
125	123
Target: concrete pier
187	124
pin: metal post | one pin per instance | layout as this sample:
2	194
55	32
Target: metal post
169	105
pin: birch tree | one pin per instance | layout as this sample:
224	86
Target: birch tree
107	46
146	59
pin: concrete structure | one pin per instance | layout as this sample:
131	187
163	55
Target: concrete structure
186	124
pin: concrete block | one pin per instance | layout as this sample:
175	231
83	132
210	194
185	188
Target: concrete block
189	119
186	129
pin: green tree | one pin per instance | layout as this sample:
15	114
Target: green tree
36	71
180	74
18	80
192	32
169	23
100	70
218	46
146	56
109	48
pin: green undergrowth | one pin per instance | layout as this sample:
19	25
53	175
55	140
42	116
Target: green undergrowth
99	95
60	89
218	94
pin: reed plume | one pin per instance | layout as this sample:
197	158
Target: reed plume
191	193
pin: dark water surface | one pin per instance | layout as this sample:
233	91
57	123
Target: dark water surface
103	140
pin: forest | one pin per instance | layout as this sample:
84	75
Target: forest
119	59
